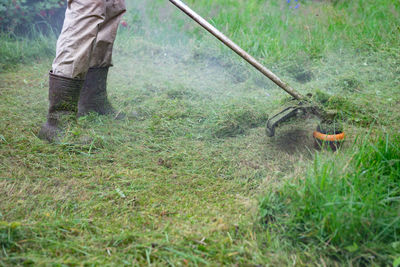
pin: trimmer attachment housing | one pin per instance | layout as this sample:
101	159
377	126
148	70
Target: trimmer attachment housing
302	108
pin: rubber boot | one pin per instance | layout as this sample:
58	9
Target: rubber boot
63	98
93	96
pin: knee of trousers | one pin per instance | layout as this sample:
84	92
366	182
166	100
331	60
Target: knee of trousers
115	8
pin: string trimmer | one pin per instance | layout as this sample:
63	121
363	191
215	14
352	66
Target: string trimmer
303	105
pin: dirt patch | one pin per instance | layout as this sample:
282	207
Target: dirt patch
295	140
296	137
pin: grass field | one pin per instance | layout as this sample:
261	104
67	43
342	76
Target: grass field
189	177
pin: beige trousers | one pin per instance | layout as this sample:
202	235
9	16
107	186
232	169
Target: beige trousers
87	37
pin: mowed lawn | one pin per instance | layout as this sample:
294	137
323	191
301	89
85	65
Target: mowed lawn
156	187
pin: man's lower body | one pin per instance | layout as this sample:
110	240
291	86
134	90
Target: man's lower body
77	82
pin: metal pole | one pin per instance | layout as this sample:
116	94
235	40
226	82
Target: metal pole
236	48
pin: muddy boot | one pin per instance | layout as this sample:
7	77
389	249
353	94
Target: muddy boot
63	98
93	96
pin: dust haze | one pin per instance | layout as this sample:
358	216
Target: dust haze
158	50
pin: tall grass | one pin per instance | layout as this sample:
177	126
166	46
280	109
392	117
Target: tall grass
275	30
15	50
348	205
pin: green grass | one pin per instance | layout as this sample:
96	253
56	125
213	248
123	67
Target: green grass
273	31
177	182
346	205
15	50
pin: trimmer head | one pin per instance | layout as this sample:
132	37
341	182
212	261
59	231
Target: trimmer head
329	132
302	108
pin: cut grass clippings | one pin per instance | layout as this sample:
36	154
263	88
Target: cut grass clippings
236	119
